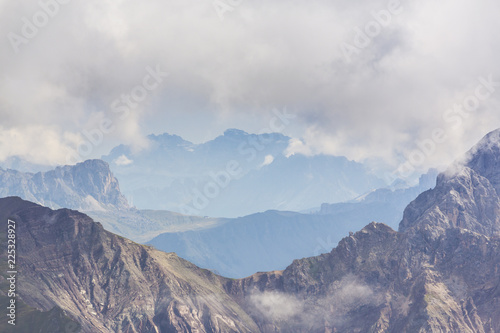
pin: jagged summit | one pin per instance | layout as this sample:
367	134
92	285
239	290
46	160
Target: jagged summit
234	132
484	158
168	139
465	196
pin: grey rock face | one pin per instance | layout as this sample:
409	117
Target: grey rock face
89	185
466	195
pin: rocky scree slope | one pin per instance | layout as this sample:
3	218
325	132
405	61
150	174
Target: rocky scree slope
110	284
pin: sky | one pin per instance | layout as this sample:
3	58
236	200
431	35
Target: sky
396	84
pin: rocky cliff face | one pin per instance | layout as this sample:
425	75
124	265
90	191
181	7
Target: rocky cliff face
89	185
439	273
466	196
110	284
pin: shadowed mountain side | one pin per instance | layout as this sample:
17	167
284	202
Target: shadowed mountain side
143	225
258	242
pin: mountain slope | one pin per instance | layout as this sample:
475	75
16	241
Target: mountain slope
383	205
258	242
108	283
465	195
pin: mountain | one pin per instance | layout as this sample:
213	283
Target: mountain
466	195
92	188
233	175
439	273
239	247
143	225
384	205
258	242
89	185
70	265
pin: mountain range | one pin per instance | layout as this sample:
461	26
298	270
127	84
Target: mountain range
220	244
239	247
233	175
439	272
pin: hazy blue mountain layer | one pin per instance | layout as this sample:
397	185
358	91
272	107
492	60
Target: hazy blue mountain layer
233	175
239	247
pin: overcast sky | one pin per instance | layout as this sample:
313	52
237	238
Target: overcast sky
230	63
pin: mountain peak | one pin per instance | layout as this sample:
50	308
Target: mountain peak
89	185
234	132
466	195
95	164
484	158
168	139
488	142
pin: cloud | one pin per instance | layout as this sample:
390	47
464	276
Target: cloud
38	144
276	306
232	73
267	160
123	160
331	308
297	146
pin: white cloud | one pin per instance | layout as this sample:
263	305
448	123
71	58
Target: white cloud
123	160
276	305
39	144
263	55
297	146
267	160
